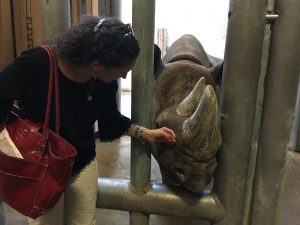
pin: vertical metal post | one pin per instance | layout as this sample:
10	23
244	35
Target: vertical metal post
242	60
104	7
116	6
270	18
110	8
55	17
143	17
295	134
279	107
254	170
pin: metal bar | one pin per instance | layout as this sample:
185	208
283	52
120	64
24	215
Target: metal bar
160	199
295	134
270	5
104	8
242	60
116	6
278	112
143	17
54	23
142	89
257	117
272	17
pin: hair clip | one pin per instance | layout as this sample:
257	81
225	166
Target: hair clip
98	25
130	32
130	29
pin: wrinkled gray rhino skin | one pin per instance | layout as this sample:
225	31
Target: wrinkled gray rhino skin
185	100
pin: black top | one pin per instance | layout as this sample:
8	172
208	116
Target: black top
26	79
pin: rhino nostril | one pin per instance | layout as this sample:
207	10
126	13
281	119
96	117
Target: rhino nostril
180	174
179	170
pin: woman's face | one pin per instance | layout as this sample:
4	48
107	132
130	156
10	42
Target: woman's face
108	75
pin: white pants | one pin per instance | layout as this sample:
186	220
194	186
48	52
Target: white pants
77	206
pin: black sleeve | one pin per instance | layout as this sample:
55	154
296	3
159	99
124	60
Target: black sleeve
15	79
5	106
111	123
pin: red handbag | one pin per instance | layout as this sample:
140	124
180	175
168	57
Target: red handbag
33	184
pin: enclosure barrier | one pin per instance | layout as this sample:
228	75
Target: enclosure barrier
257	107
160	200
139	196
295	135
143	17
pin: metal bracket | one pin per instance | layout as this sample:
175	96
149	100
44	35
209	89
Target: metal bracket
271	17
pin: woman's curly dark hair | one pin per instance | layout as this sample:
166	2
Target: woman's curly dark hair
113	44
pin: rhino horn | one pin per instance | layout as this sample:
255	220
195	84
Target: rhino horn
204	122
190	103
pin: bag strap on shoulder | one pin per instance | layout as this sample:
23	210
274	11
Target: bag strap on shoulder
53	77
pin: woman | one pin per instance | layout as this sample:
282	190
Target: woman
91	56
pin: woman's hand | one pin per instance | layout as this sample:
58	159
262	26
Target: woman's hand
163	134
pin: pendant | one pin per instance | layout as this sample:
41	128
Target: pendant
89	98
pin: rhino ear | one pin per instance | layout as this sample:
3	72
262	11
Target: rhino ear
158	63
216	72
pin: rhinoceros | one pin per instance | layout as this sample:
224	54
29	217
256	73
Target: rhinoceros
185	100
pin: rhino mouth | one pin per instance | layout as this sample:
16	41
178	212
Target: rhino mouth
183	170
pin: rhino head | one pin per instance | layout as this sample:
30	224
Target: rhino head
185	100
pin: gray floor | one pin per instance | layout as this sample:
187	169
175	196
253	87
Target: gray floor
290	205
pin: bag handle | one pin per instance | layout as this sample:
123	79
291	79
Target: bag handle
53	75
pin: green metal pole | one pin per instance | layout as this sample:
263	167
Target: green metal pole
278	113
241	74
55	17
142	89
257	108
143	17
295	135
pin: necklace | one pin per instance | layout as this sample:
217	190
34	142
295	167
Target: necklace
89	92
